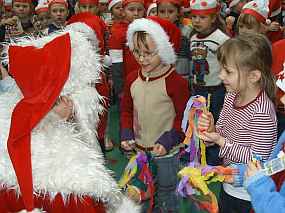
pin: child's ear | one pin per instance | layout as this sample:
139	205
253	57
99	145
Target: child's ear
254	76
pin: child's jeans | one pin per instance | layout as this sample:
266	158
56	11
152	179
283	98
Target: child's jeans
166	199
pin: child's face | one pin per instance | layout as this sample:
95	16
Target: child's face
44	19
21	9
147	58
58	13
242	29
203	23
102	7
92	8
117	11
168	11
133	10
153	12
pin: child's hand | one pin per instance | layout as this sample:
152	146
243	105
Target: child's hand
128	145
206	122
159	150
213	137
252	168
274	26
133	193
64	107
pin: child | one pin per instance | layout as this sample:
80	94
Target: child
116	9
42	19
151	8
254	18
103	10
153	102
247	123
267	194
204	78
20	24
87	6
58	10
171	10
123	61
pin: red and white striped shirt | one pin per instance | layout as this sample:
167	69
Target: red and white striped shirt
250	129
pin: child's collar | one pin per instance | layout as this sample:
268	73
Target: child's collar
151	76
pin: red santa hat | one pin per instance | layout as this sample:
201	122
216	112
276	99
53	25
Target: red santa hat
257	8
42	6
23	1
204	7
7	5
274	7
63	2
179	3
40	85
88	2
165	34
125	2
112	3
94	23
149	5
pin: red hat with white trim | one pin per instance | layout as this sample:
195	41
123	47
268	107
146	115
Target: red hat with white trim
204	7
257	8
94	23
125	2
112	3
63	2
180	3
165	34
275	7
7	5
23	1
42	6
149	5
41	86
88	2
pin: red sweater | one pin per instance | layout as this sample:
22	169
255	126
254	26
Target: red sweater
118	42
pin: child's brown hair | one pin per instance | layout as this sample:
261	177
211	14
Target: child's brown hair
250	52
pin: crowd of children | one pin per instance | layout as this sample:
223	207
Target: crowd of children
155	55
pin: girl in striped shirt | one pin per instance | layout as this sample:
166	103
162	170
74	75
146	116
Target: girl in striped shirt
247	123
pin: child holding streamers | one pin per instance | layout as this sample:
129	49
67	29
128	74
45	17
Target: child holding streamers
204	78
247	123
153	102
268	193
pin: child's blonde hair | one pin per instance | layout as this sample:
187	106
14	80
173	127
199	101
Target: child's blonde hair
249	21
250	52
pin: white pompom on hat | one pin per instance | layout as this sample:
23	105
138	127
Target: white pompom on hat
165	34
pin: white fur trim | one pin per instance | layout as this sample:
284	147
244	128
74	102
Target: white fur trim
150	7
233	3
112	3
116	56
66	158
157	33
128	205
33	211
281	80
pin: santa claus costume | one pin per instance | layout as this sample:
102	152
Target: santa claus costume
46	163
